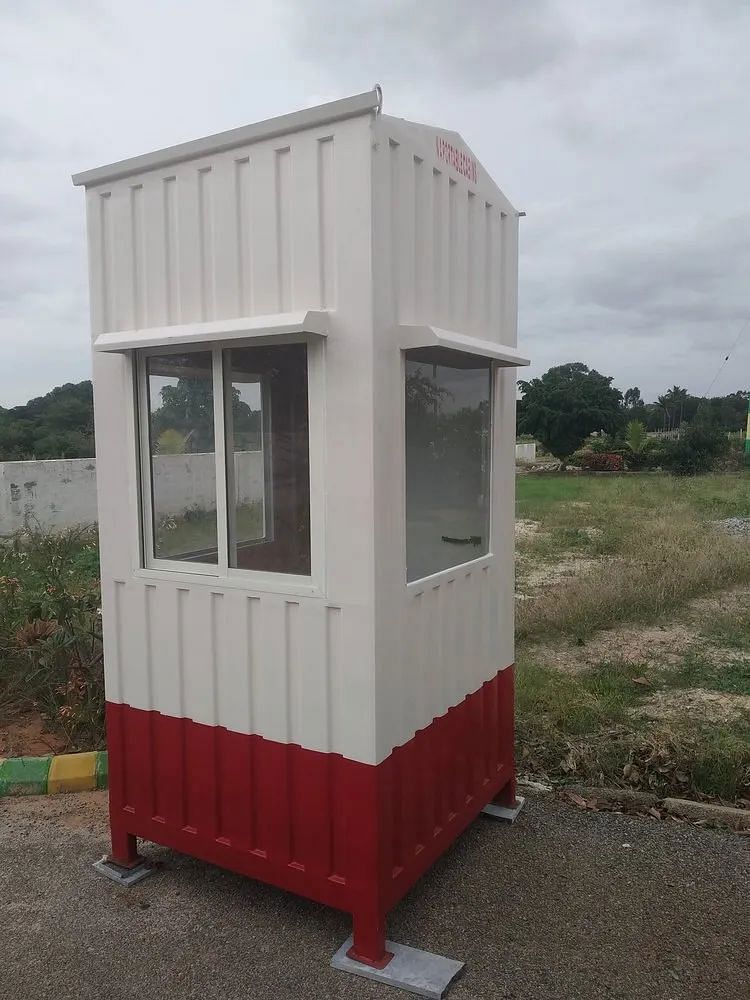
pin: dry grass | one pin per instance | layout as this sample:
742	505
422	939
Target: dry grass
635	670
662	565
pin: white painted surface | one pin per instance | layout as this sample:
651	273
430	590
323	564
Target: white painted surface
54	494
249	328
61	493
371	219
444	256
526	451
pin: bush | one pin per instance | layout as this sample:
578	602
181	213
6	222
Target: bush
602	444
593	461
696	451
50	630
733	459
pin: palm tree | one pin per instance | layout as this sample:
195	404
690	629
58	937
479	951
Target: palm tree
673	404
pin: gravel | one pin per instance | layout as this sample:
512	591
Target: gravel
564	905
734	525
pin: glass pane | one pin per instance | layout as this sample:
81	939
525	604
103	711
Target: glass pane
183	463
268	465
448	424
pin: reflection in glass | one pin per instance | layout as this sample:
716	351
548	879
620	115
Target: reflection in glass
448	420
268	473
183	465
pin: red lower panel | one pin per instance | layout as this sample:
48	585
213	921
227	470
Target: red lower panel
351	835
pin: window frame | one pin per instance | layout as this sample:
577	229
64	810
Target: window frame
266	447
221	572
450	572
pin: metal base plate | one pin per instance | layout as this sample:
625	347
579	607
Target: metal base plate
123	876
410	969
504	812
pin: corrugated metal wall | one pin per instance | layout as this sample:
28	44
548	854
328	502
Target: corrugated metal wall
242	233
445	249
282	224
254	663
450	259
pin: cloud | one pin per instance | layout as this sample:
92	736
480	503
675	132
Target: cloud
620	128
468	45
686	278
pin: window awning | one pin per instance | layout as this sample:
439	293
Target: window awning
273	326
410	336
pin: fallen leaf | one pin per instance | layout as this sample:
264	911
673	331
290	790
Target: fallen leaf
643	681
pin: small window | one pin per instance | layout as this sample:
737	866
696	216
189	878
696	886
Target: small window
448	437
182	457
243	506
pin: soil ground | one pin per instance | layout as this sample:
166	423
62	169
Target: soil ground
25	733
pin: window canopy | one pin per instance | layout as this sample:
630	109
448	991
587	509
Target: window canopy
411	336
275	325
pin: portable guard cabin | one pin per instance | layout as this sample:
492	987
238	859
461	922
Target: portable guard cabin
304	369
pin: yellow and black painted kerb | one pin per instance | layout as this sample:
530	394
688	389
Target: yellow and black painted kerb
66	772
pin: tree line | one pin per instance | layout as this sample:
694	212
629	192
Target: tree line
560	408
563	408
59	424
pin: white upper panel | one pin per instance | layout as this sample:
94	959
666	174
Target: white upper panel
230	228
445	236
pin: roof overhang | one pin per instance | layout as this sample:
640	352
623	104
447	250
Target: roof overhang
273	328
412	336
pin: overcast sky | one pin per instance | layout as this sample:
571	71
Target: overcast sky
621	128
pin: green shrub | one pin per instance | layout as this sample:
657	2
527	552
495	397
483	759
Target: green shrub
50	630
697	450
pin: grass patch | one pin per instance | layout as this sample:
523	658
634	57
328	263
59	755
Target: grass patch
697	671
730	631
664	559
654	548
581	728
576	704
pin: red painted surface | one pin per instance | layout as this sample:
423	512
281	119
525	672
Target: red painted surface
351	835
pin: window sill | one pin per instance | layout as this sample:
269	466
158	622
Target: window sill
415	587
251	583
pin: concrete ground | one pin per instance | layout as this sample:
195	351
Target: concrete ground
565	905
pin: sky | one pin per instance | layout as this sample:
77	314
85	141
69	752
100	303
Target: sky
621	128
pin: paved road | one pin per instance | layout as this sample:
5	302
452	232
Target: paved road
553	907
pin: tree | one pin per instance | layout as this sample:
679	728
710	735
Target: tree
567	404
673	404
632	398
58	425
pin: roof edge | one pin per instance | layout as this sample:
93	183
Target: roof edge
322	114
